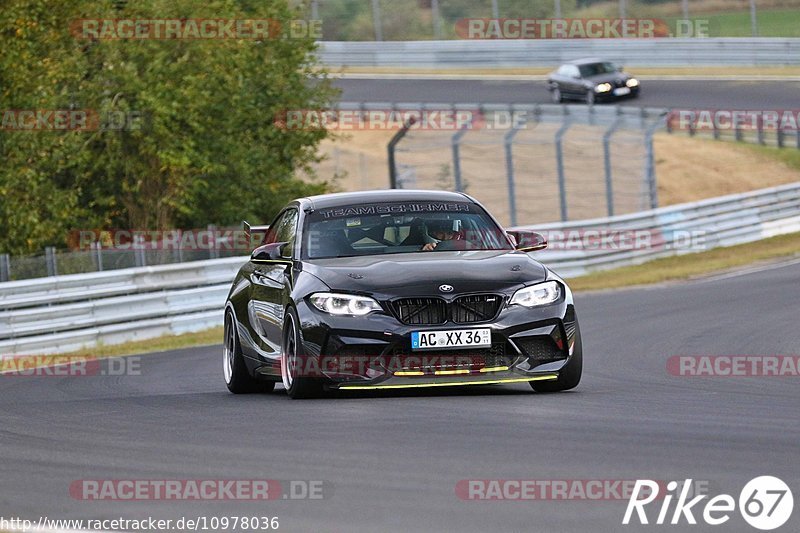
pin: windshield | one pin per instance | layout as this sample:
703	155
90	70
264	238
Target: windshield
391	228
594	69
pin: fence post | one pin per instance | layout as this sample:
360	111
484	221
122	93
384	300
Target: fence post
753	19
650	161
376	19
5	267
509	145
392	146
456	141
562	181
138	250
50	260
607	160
737	128
98	247
437	24
213	252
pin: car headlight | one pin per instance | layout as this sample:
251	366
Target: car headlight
539	294
603	88
633	82
344	304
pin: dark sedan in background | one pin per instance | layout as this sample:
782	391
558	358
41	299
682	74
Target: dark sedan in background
397	289
591	80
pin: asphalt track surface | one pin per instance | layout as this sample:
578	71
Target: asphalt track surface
393	459
686	94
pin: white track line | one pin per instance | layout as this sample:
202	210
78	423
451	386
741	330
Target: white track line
747	271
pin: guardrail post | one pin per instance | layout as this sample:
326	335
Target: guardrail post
5	267
562	180
760	129
607	161
50	260
456	141
780	137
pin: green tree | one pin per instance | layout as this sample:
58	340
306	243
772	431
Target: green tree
205	148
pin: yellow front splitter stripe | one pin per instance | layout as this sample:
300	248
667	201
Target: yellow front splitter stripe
547	377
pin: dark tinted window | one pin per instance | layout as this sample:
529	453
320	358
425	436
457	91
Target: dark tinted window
403	227
594	69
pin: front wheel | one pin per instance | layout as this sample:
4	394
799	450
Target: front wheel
237	377
570	375
292	362
556	95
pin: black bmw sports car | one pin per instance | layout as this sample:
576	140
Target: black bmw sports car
397	289
591	80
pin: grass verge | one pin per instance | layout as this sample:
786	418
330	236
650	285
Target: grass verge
206	337
692	265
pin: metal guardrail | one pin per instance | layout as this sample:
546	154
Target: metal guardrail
663	52
672	230
66	313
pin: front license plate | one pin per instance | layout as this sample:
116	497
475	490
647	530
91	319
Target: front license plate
457	338
622	91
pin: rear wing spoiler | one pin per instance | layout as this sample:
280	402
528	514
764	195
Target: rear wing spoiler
255	234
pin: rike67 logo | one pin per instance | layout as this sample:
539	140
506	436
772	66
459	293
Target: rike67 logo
766	503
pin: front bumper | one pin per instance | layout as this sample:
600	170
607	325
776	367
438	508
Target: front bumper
374	352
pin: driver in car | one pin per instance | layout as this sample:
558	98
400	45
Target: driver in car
441	230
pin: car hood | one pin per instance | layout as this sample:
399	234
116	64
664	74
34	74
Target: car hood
418	274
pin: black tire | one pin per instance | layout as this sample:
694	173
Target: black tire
234	370
556	96
570	375
297	386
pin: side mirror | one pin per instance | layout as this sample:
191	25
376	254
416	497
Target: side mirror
269	252
528	241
